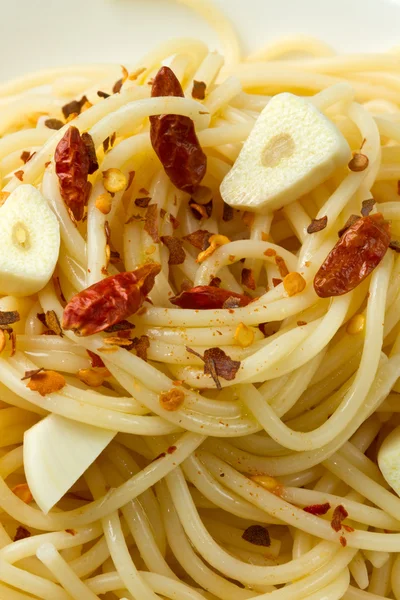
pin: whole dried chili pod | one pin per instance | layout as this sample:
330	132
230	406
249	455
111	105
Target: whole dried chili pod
72	168
208	297
356	254
109	301
174	139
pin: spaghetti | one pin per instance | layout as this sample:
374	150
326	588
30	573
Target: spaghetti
252	477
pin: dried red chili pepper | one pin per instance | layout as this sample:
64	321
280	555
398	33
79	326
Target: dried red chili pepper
207	297
174	139
356	254
72	168
109	301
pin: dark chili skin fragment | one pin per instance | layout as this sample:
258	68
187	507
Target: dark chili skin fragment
205	297
174	139
357	253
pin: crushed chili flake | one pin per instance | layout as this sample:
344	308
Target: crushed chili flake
201	211
93	377
3	197
217	364
227	212
350	221
161	455
215	282
103	203
141	345
95	360
106	144
19	174
46	382
172	400
25	156
216	240
207	297
23	492
120	326
301	323
248	279
54	124
53	323
151	223
280	263
8	317
359	162
118	341
163	213
21	534
71	531
199	239
2	340
102	94
74	107
276	281
174	221
350	529
343	541
199	90
131	176
395	245
270	252
317	509
244	335
114	180
177	254
29	374
143	202
367	206
294	283
107	231
91	152
13	339
317	225
257	535
339	515
171	449
134	219
113	138
144	191
117	86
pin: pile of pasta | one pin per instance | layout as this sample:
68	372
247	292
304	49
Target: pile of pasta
264	484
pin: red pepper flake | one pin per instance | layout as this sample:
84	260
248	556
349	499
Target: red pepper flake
367	206
317	225
71	531
395	245
280	263
174	139
50	320
131	176
343	541
161	455
19	175
174	221
95	360
106	144
248	279
144	191
117	86
151	223
74	107
91	152
357	253
109	301
21	534
113	138
143	202
141	345
55	124
171	449
199	90
270	252
207	297
227	212
215	282
102	94
339	515
29	374
217	364
317	509
134	219
201	211
177	254
199	239
120	326
172	400
257	535
25	156
8	317
46	382
276	281
301	323
348	528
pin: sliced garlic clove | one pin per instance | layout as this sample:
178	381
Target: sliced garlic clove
389	459
29	242
57	451
292	148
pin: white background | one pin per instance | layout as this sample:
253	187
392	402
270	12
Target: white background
42	33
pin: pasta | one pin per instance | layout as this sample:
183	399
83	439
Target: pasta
253	477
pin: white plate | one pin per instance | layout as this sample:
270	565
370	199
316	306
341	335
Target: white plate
44	33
